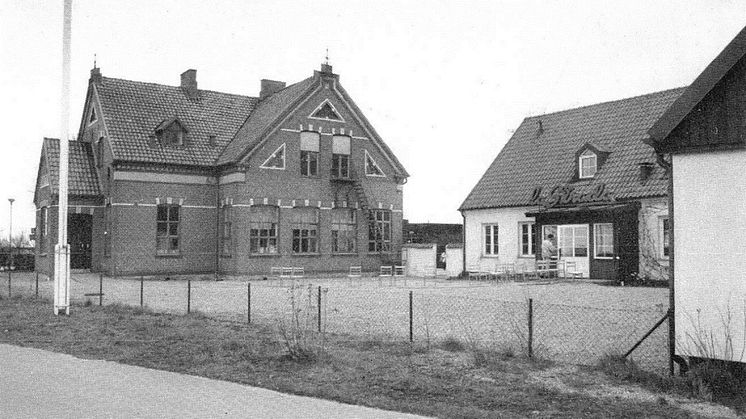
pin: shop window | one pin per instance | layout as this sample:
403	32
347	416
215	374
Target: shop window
107	230
305	226
491	247
371	167
276	160
309	153
665	238
379	232
528	238
226	227
603	241
588	164
344	231
167	229
263	222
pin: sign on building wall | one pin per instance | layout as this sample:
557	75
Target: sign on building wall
568	195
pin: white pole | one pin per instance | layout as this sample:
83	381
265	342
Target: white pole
62	249
10	236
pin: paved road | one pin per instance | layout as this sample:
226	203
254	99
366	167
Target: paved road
35	383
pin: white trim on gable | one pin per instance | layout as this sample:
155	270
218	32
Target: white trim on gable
342	120
370	158
272	156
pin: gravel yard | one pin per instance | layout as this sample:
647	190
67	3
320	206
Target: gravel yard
574	322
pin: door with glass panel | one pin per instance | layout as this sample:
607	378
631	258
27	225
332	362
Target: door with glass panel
573	246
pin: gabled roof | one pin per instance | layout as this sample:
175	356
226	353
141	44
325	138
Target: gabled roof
132	110
264	114
83	180
703	84
546	157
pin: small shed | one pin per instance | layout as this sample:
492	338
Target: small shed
420	259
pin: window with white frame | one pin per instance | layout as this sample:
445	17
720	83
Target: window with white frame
490	239
587	164
305	226
167	230
344	231
263	222
528	238
340	157
309	153
603	241
665	238
379	231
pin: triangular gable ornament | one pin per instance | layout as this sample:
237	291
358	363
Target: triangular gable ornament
326	111
276	160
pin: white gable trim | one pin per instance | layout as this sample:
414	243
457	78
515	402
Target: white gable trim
273	155
340	120
368	156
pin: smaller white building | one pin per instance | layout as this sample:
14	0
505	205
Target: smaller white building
702	137
582	181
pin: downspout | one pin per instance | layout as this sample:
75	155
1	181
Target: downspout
217	227
463	245
683	366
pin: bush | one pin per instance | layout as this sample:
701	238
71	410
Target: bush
452	344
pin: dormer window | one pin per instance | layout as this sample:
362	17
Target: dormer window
171	132
587	164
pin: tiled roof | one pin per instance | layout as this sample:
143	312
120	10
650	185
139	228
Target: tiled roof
132	110
264	113
82	177
530	159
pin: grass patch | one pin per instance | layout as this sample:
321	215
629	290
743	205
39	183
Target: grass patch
394	375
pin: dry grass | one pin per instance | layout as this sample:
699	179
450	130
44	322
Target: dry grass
390	375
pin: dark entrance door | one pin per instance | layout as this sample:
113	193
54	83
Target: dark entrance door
79	228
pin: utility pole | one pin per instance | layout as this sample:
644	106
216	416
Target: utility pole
10	236
62	248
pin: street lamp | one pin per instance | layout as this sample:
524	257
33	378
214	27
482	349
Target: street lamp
10	236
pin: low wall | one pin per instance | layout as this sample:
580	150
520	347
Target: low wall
420	259
454	260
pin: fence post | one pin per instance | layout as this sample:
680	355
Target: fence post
142	289
37	285
319	304
189	296
248	302
100	289
530	327
411	322
10	294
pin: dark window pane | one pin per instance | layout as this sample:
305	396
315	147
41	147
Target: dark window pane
173	213
173	229
162	228
162	213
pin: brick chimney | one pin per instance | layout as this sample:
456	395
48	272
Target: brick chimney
95	76
189	83
326	68
270	87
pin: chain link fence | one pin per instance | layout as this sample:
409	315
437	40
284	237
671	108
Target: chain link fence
498	317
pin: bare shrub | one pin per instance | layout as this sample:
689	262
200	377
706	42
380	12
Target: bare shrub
301	341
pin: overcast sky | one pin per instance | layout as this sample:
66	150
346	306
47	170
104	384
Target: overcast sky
443	82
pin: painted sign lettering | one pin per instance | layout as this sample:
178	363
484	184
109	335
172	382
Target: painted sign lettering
568	195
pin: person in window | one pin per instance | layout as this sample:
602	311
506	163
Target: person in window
548	249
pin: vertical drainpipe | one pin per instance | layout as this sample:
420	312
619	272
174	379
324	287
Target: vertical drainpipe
671	300
463	245
217	225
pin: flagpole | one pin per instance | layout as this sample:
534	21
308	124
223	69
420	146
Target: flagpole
62	248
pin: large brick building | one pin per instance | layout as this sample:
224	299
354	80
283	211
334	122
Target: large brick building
176	179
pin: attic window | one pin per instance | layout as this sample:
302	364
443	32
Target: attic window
212	141
587	164
172	137
326	111
171	132
93	118
371	167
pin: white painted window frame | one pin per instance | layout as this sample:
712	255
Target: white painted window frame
273	155
587	155
375	163
595	241
316	109
531	244
494	240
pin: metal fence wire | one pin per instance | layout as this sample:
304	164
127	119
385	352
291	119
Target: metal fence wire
425	311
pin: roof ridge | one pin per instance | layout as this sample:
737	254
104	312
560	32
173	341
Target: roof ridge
607	102
177	87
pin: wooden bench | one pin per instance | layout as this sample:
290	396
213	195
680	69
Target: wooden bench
297	272
355	272
386	270
398	270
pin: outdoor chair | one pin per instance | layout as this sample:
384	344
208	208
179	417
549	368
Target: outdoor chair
287	272
497	273
298	272
571	270
510	273
275	271
398	270
355	272
386	270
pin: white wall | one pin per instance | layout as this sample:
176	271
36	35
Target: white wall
508	238
652	263
454	261
420	260
710	253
